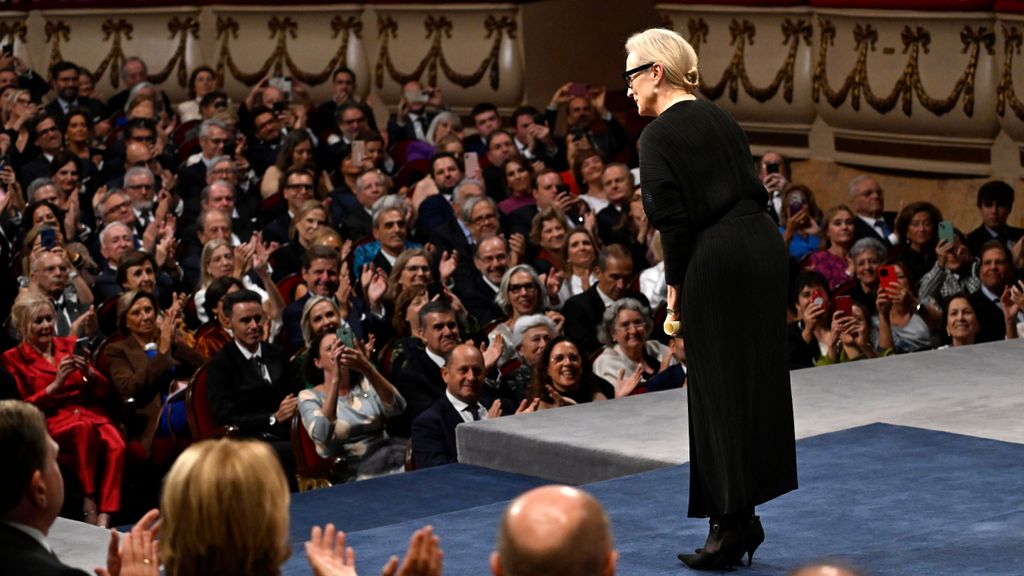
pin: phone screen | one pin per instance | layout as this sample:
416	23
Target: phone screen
772	168
358	151
472	163
48	238
946	231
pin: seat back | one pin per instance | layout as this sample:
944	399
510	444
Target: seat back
287	285
197	406
311	470
99	356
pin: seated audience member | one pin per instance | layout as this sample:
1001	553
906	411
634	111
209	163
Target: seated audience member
214	335
579	257
642	243
450	225
49	277
343	93
613	221
588	171
219	260
500	149
116	240
64	81
33	492
773	170
202	81
345	412
486	120
213	136
961	322
319	314
529	336
629	359
47	137
995	202
563	377
545	191
309	217
50	374
952	272
529	543
534	140
997	277
406	323
837	236
652	280
517	174
248	381
297	187
444	124
808	331
588	119
547	237
851	337
212	224
675	375
389	236
416	108
137	270
867	200
798	221
357	220
902	315
433	431
412	269
145	363
478	292
583	312
296	150
917	228
419	380
521	292
321	271
867	254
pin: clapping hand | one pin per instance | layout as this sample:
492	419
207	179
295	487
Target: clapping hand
493	352
625	385
423	558
327	553
139	555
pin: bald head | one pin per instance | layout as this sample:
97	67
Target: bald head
825	569
463	373
557	531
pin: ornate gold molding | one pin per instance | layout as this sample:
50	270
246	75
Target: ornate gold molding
280	30
438	29
915	39
58	31
182	29
1006	93
11	31
742	33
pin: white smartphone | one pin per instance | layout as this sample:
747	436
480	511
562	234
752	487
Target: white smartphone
358	151
472	162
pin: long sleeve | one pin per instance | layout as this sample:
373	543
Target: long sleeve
666	211
222	382
131	382
428	441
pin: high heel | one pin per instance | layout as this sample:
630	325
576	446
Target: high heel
724	547
753	536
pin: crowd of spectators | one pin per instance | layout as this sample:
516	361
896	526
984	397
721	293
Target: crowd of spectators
373	286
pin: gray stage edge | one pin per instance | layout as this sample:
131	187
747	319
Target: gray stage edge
974	390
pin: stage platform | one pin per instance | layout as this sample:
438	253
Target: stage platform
975	390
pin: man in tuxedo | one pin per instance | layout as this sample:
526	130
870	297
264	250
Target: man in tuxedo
606	136
343	91
140	184
133	71
249	383
389	237
268	133
583	312
490	259
534	139
49	140
357	221
773	170
31	492
500	147
996	274
213	135
545	195
486	120
530	543
867	199
413	117
116	240
296	187
64	78
49	276
995	202
419	379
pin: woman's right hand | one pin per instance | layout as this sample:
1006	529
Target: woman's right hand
625	385
65	367
558	399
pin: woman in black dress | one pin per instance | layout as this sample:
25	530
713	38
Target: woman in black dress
725	266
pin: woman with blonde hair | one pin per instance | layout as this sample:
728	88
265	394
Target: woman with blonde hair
701	192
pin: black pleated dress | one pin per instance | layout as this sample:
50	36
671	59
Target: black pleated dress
700	191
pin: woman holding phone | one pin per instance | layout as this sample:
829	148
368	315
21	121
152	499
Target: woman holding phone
701	192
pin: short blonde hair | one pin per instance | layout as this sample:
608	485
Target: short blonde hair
225	511
207	254
25	307
676	56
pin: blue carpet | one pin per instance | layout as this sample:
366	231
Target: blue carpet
893	500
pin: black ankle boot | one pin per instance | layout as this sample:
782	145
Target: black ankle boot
753	536
724	547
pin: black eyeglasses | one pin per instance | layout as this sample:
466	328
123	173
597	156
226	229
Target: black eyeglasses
627	76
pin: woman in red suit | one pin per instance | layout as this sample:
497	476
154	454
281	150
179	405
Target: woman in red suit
65	387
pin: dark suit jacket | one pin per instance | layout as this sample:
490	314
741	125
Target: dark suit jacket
419	382
22	554
95	108
37	168
520	220
583	313
356	224
478	298
191	181
433	435
262	155
862	230
398	133
990	317
277	231
977	238
238	394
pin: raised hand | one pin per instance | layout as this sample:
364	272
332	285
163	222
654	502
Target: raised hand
447	266
423	558
557	398
495	410
625	385
493	352
327	554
